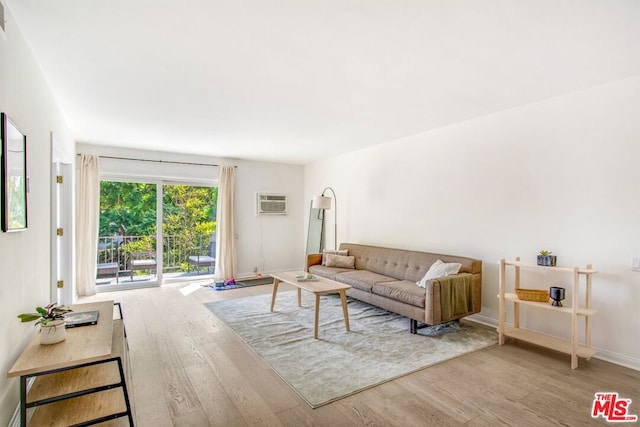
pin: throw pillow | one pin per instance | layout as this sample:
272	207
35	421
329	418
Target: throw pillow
439	269
341	261
326	252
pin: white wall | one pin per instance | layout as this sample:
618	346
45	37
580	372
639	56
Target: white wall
561	175
270	243
25	256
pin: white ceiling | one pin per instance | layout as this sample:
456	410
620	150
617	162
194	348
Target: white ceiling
297	80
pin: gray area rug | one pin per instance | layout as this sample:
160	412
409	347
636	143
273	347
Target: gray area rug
379	347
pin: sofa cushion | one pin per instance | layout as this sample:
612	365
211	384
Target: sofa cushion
326	252
341	261
362	279
404	291
327	272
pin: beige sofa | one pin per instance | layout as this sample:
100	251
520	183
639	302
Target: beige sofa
387	277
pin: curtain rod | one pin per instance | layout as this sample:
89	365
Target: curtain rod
156	161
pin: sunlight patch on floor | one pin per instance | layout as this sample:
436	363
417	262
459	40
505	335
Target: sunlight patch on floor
190	288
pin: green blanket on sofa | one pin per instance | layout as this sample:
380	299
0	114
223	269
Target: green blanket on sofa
455	295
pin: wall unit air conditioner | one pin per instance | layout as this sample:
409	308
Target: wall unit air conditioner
272	204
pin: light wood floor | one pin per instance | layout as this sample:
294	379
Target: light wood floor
190	369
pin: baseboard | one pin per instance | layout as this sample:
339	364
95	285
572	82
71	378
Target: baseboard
15	419
240	278
483	320
618	359
607	356
124	287
248	276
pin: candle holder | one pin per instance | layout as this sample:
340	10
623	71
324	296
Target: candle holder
556	293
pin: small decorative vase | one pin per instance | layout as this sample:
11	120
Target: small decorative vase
53	332
556	293
547	260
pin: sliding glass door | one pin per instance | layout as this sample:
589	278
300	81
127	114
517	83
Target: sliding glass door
189	227
128	233
135	216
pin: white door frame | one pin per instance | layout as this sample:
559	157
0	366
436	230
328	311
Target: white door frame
61	217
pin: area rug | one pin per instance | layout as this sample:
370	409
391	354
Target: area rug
379	347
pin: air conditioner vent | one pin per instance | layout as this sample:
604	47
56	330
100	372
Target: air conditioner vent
272	204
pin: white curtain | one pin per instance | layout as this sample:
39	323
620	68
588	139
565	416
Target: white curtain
87	220
226	247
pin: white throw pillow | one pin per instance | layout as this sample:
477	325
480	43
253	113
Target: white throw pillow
439	269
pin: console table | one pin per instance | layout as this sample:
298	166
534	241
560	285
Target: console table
81	381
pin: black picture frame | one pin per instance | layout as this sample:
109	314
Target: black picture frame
14	176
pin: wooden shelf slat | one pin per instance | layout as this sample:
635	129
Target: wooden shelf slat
564	269
80	409
547	341
582	311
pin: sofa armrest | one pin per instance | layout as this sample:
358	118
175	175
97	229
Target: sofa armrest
313	259
433	308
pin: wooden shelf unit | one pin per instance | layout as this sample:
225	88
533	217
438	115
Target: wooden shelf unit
81	381
575	310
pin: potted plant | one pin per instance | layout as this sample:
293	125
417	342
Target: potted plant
545	258
51	321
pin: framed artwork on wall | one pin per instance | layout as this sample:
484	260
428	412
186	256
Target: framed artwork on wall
14	176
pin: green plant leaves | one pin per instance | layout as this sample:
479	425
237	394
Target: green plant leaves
28	317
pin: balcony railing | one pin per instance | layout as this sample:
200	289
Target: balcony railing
176	250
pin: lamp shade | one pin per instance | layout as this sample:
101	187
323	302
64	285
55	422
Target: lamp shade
321	202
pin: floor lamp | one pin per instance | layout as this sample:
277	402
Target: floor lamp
324	202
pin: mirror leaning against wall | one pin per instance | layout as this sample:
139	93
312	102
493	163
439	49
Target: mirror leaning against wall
315	234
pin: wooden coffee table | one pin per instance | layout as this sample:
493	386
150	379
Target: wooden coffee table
321	287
